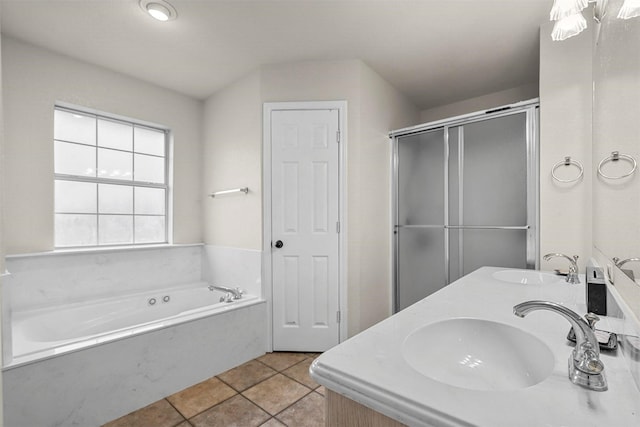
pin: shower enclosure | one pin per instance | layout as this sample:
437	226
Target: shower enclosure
465	195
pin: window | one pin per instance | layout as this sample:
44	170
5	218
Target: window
110	181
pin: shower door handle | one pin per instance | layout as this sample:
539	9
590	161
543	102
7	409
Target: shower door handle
279	244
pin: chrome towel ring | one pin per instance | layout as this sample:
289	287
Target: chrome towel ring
614	157
567	162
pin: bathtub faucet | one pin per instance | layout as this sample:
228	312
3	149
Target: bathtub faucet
237	292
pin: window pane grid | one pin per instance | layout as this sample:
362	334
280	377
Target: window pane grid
74	142
110	119
84	178
104	213
147	223
109	148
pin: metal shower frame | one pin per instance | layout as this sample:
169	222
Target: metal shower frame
531	109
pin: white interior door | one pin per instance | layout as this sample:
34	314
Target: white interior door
304	229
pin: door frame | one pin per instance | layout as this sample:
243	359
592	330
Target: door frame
267	285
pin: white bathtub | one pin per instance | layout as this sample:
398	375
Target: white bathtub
38	334
86	364
68	364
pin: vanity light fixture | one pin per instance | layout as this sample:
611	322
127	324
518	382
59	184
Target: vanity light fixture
630	9
565	8
568	17
569	26
159	9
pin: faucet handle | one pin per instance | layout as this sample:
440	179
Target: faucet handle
592	318
590	363
574	264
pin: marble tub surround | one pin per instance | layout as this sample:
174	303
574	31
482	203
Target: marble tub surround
371	370
75	280
234	267
63	277
75	383
97	384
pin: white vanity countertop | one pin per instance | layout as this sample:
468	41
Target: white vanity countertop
369	368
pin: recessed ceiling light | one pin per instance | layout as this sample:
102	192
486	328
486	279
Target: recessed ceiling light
159	9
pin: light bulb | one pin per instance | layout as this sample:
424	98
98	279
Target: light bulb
568	27
158	11
564	8
630	9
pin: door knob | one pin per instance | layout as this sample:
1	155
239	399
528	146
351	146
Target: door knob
279	244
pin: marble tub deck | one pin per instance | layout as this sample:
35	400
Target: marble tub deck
272	390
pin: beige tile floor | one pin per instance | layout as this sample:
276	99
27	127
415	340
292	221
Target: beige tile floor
272	390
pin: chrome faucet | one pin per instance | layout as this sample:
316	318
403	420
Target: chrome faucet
585	367
237	292
572	277
620	263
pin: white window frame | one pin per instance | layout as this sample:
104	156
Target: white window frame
127	183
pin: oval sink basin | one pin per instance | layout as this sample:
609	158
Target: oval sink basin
527	277
478	355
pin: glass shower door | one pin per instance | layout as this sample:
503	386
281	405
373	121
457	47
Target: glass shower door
489	219
465	196
419	231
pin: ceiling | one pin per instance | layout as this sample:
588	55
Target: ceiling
436	52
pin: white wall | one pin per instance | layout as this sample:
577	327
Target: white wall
616	127
324	81
233	118
484	102
374	109
34	80
232	158
230	124
565	130
565	91
383	109
616	109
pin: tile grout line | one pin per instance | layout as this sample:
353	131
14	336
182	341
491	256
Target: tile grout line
240	392
272	417
290	366
284	409
294	379
237	392
211	407
311	390
177	410
302	397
